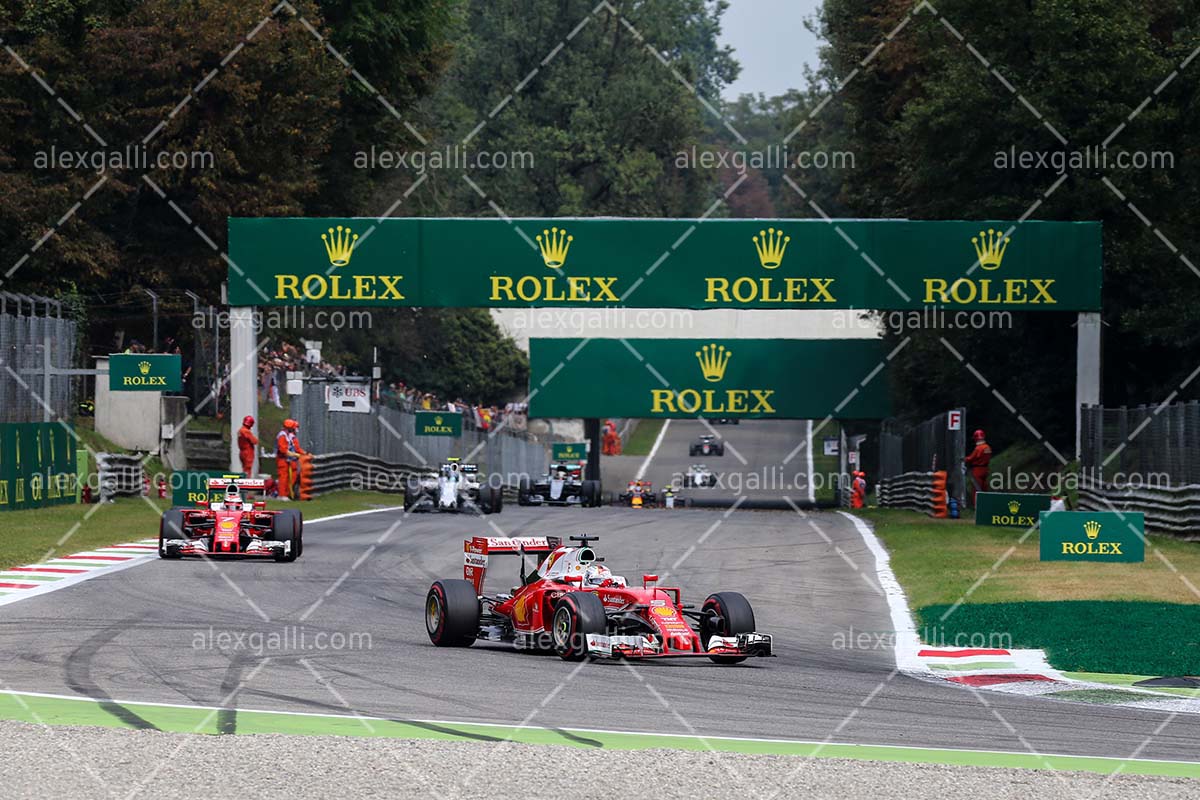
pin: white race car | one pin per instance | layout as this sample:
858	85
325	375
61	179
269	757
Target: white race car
699	475
454	487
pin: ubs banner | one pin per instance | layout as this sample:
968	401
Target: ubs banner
37	465
688	378
666	263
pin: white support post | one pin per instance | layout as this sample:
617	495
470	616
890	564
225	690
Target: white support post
1087	370
243	378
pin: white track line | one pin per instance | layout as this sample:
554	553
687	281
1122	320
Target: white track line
654	449
906	642
812	489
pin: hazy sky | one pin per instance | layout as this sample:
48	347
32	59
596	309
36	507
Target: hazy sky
770	42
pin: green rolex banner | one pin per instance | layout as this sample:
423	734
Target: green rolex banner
666	263
568	451
689	378
439	423
1009	510
37	465
189	487
145	372
1093	536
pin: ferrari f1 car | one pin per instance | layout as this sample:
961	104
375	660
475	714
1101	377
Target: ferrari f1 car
562	485
638	494
699	475
574	606
232	524
707	445
454	487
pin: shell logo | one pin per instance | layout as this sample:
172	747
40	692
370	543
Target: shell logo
227	524
664	611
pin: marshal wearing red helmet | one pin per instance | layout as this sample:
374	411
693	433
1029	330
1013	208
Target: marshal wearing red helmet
247	441
978	461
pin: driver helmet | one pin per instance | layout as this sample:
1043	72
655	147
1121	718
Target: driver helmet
233	498
600	575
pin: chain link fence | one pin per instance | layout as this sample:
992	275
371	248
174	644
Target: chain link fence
24	340
389	435
1145	445
928	446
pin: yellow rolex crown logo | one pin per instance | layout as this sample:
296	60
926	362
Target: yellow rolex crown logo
144	367
770	245
1013	506
339	245
713	359
437	420
1091	528
990	247
554	244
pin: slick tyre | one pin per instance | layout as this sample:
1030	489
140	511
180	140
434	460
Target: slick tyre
523	490
490	499
286	528
298	526
578	615
591	494
725	614
452	613
170	527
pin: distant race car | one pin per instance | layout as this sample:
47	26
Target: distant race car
454	487
573	605
707	445
638	494
232	525
562	485
699	475
724	421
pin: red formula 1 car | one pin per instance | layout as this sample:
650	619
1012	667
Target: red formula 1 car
572	604
231	524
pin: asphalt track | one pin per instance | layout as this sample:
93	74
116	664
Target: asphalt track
155	633
764	460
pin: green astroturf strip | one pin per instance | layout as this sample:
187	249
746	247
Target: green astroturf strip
62	711
23	576
1122	637
1129	680
1105	696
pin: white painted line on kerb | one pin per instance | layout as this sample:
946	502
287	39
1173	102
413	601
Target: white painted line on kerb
650	456
907	643
808	461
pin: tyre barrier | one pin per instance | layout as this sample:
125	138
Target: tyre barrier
917	491
1173	510
120	475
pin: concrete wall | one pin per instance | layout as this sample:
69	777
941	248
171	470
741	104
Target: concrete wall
128	419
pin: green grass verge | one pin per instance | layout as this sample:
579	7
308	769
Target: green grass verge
645	431
1090	617
34	535
43	710
1082	635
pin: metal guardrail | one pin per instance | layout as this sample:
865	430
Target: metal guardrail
120	475
911	490
1172	510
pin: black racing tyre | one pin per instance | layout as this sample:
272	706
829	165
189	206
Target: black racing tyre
590	491
523	489
170	527
692	451
452	613
298	523
577	615
286	528
489	499
412	493
725	614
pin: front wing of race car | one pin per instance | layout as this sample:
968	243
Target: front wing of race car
751	645
255	547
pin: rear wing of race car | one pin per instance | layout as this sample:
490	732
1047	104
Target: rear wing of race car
477	550
241	483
